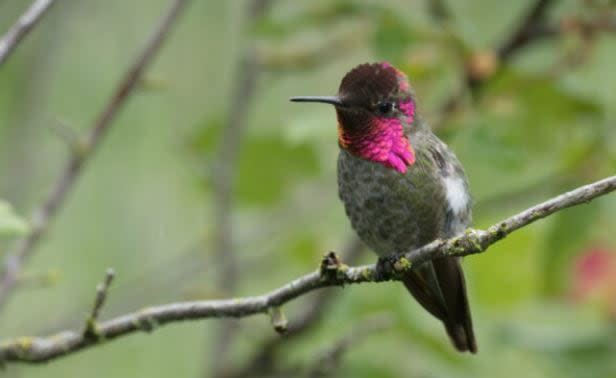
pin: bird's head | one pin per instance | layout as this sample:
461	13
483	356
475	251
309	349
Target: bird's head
374	105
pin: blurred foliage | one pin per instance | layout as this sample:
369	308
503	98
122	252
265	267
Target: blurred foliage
10	223
543	123
568	235
261	177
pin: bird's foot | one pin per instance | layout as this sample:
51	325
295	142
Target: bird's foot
385	267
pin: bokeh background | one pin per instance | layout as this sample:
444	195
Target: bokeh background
527	126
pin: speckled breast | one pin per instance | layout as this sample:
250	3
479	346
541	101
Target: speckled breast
393	212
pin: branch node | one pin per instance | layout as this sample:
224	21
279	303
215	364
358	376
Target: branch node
472	241
402	265
481	65
497	232
23	346
91	328
76	142
145	321
332	269
279	320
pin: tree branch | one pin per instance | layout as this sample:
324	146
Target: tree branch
481	66
22	27
523	34
99	301
43	216
331	273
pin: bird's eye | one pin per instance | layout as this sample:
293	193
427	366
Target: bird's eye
386	107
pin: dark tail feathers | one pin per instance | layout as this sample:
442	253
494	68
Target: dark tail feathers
441	290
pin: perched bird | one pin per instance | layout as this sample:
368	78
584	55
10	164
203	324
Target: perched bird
402	187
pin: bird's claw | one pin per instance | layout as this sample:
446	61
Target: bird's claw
385	267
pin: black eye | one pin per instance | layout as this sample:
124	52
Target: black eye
386	107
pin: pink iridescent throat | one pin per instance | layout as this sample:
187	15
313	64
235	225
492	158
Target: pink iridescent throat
384	141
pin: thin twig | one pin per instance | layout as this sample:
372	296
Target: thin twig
25	23
99	301
41	220
332	273
519	38
523	34
278	319
532	28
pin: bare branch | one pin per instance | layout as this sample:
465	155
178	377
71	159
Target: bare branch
40	349
523	34
99	302
279	320
22	27
482	66
74	166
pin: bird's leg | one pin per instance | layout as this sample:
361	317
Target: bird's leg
385	267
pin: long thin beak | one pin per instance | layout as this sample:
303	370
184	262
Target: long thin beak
333	100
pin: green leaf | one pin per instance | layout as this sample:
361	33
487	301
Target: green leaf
11	224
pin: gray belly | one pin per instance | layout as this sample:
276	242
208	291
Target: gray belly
393	212
390	211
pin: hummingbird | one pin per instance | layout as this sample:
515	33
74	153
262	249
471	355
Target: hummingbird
402	187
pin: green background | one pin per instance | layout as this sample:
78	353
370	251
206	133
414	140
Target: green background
144	204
